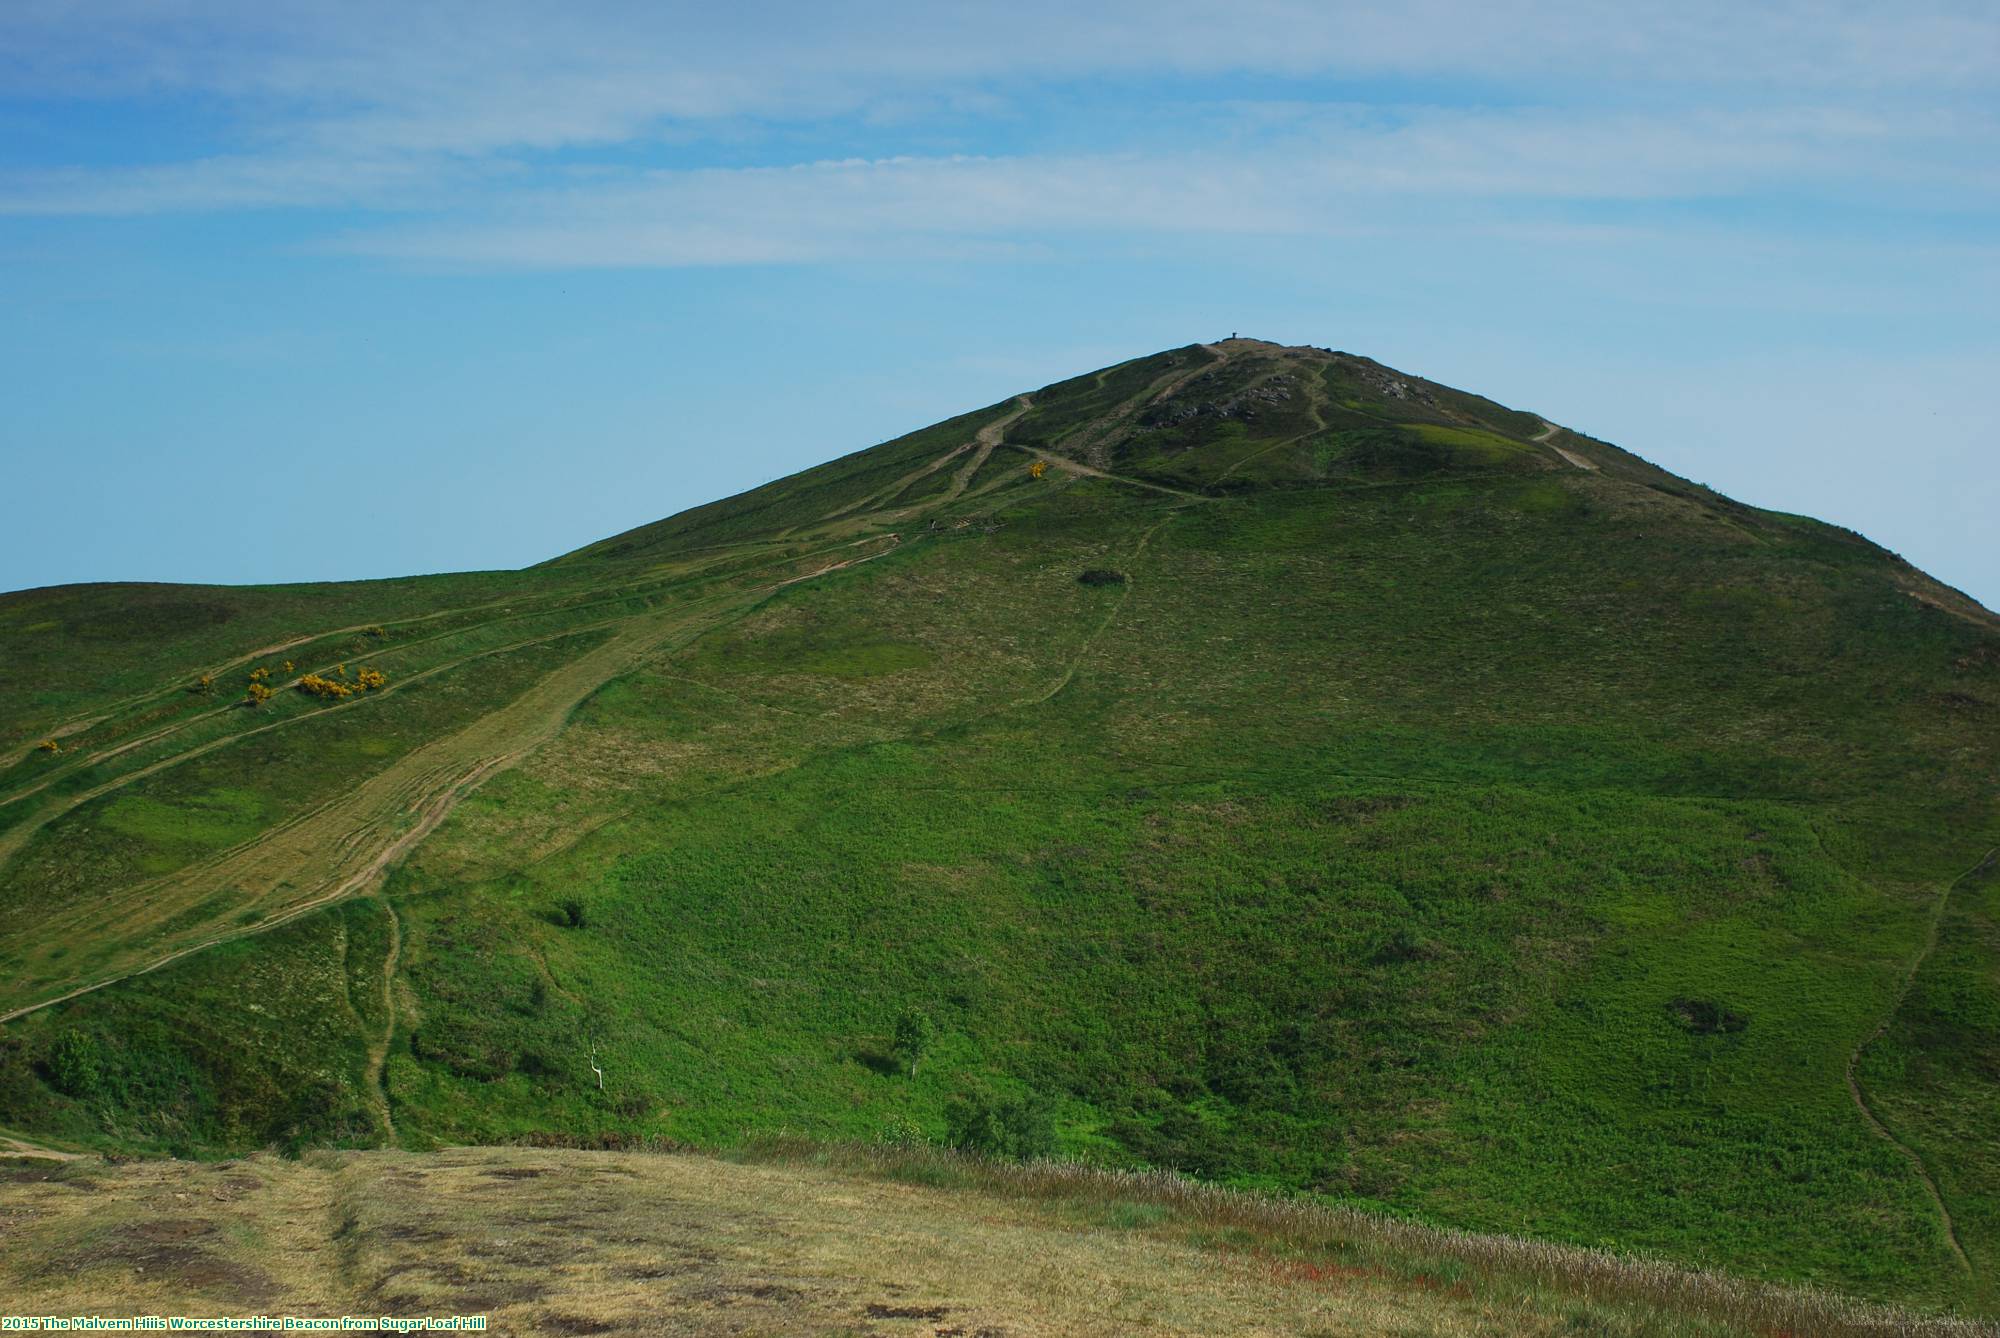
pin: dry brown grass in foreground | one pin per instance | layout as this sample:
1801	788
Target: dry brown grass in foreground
802	1239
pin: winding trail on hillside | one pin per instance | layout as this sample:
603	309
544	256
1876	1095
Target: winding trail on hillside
987	439
894	541
1315	405
1868	1114
378	1049
1174	384
178	682
17	838
343	847
980	444
10	759
1069	466
1103	625
1094	439
1547	437
515	611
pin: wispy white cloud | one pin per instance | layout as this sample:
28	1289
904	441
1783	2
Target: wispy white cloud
451	110
774	58
1344	172
243	181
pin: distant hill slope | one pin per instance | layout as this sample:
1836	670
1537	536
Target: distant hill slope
1252	761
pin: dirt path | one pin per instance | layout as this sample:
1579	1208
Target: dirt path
179	682
981	442
59	732
378	1049
988	438
1093	441
895	540
572	601
1069	466
1546	437
15	1147
519	610
17	837
1103	625
342	847
1315	405
1868	1114
1168	391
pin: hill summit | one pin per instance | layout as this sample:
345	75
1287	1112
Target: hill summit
1251	761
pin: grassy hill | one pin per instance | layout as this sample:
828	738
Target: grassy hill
1254	762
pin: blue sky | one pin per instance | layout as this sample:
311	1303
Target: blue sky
317	291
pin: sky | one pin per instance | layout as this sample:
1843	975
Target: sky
340	290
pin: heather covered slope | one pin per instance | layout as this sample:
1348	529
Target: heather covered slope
1422	806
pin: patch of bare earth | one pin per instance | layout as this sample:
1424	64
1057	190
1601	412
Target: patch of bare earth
569	1242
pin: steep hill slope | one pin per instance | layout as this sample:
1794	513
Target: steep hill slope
1256	761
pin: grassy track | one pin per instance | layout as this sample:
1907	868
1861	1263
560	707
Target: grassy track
1949	1227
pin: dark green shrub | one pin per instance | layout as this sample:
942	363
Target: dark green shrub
1403	945
572	913
1022	1127
1706	1017
1180	1140
1101	576
75	1065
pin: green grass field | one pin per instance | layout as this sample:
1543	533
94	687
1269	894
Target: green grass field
1424	822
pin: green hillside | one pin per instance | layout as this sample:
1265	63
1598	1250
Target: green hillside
1310	778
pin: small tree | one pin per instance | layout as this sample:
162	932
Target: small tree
573	914
916	1032
74	1066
